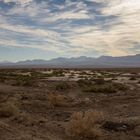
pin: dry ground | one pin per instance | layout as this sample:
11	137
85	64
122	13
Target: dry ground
41	104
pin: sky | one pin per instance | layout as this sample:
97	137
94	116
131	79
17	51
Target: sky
45	29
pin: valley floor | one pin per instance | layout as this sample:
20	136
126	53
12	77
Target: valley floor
34	105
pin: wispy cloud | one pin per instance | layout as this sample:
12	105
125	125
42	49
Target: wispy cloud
18	1
72	28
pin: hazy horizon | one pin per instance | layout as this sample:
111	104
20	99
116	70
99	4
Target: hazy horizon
24	60
47	29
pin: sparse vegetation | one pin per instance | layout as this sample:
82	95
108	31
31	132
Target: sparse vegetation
58	73
105	88
84	82
99	81
8	110
24	81
62	86
85	125
120	86
47	104
24	118
101	89
132	78
57	100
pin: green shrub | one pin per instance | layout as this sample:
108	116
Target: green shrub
102	89
120	86
24	81
106	88
84	82
62	86
58	73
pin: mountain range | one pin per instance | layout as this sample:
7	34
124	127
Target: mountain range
78	62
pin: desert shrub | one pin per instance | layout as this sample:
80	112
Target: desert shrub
23	81
2	79
83	73
39	75
102	89
6	75
57	73
24	118
120	86
114	78
71	76
81	76
84	82
106	88
118	126
132	78
99	81
56	100
8	109
16	77
62	86
85	125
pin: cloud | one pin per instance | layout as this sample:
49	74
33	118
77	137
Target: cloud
22	2
121	36
29	31
73	28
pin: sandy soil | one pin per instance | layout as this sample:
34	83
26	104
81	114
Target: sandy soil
39	119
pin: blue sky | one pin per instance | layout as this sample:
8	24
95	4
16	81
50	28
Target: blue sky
44	29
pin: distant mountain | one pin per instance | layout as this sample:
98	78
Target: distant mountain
79	62
4	62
